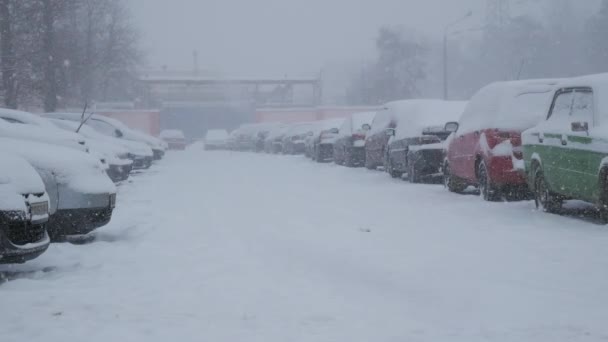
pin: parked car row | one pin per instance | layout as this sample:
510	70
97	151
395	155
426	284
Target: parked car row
542	139
58	177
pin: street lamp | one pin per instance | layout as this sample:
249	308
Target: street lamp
445	51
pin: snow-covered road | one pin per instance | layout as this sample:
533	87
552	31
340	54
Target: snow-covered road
225	246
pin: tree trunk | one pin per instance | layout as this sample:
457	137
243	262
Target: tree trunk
50	76
8	60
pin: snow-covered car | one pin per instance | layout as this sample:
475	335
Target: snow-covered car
486	149
261	132
323	139
349	147
274	141
139	153
566	154
294	140
24	211
81	195
115	155
175	139
114	128
376	140
22	125
216	139
419	122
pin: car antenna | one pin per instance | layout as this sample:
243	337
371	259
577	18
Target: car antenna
82	119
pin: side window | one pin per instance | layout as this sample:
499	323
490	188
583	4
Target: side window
582	108
562	106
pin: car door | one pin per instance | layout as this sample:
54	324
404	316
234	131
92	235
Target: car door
582	162
564	151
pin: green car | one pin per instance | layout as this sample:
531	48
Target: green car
566	156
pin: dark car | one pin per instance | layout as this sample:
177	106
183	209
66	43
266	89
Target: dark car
24	211
324	138
295	138
274	140
376	140
349	147
418	122
426	161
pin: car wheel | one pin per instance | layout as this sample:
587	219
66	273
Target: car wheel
450	181
486	190
544	199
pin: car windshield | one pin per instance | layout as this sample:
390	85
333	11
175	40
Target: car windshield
303	170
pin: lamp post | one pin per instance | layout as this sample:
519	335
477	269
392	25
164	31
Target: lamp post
445	51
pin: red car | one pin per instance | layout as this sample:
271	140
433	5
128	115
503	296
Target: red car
486	149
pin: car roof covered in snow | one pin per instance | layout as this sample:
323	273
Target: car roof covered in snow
77	170
417	115
514	105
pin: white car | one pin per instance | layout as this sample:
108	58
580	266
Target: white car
112	152
21	125
216	139
81	195
114	128
24	211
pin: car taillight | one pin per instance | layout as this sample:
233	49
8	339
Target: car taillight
358	136
504	135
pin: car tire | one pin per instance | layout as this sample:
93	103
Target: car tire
487	191
544	199
450	181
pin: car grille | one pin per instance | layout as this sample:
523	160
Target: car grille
22	233
39	209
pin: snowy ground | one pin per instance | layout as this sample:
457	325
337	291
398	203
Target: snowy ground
223	246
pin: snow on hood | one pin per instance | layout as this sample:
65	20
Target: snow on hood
44	134
412	117
74	169
128	133
18	172
361	119
510	106
10	199
99	144
299	129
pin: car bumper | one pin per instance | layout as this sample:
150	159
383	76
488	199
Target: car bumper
21	241
503	173
158	154
67	222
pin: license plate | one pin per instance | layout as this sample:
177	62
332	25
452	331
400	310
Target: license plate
39	209
112	200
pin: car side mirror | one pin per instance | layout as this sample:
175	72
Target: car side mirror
118	133
390	132
452	127
366	127
580	127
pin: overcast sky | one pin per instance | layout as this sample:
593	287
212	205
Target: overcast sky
258	37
